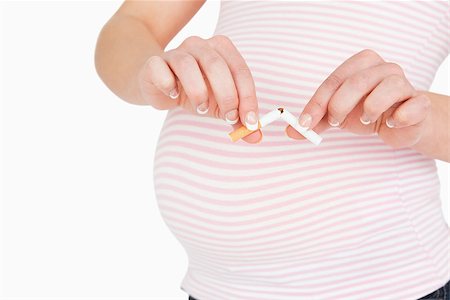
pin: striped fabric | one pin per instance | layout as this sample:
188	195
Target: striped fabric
284	219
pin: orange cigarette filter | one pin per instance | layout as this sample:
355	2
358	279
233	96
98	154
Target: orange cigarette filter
242	132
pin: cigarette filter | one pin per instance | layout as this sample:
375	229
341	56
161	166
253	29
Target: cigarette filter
312	136
263	121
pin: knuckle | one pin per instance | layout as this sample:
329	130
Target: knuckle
315	106
333	110
152	60
367	52
359	82
192	41
394	68
228	101
248	100
370	55
169	54
184	60
396	81
213	60
332	82
221	40
243	71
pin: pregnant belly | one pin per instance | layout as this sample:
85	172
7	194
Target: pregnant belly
275	200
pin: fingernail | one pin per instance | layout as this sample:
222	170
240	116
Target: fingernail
174	93
203	108
250	121
364	119
232	117
390	122
333	122
305	120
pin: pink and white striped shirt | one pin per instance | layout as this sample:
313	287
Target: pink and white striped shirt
349	219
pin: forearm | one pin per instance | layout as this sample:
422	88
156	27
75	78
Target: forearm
436	138
123	45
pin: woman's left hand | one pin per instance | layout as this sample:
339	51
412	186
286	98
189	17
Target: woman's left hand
367	95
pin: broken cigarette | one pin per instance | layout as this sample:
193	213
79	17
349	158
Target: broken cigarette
270	117
263	121
312	136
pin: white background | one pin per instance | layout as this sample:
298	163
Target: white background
79	216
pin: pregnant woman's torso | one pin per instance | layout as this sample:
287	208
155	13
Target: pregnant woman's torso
351	218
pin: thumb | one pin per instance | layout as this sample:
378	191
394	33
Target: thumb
253	138
320	127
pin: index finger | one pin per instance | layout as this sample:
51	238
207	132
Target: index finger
316	108
242	77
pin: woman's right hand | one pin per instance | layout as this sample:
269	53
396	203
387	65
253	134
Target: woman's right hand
205	76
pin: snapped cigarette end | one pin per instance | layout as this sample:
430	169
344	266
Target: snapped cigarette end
241	132
312	136
262	122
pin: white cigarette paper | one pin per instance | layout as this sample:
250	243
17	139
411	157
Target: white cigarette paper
270	117
312	136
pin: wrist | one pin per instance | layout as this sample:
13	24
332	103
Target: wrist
434	140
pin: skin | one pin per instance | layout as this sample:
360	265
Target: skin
131	61
365	94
